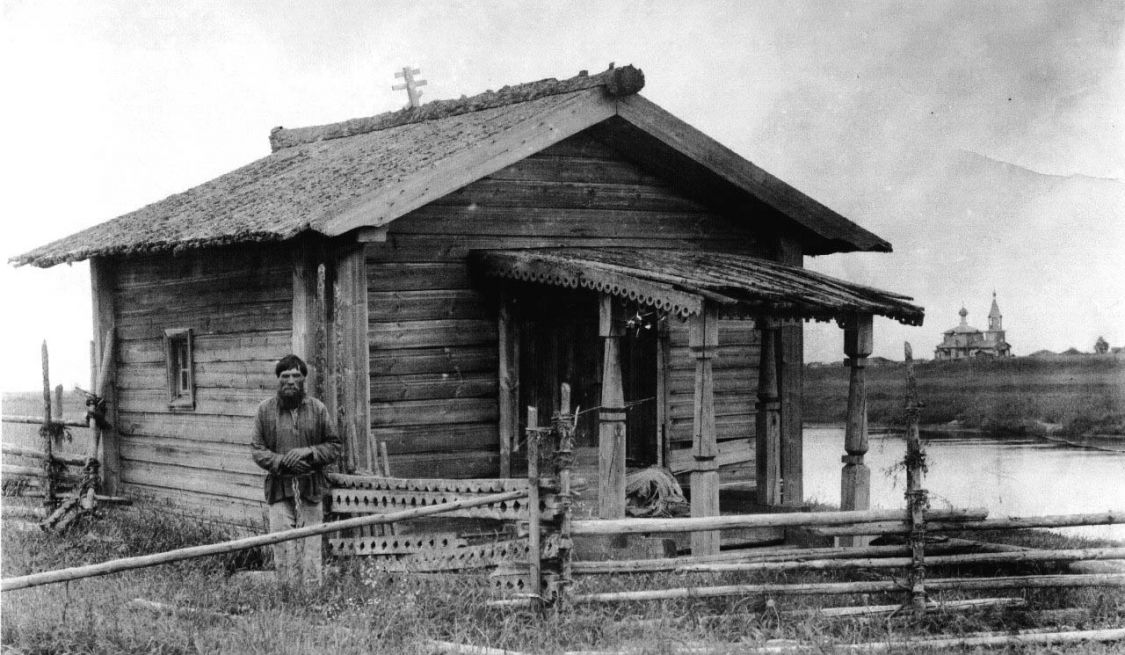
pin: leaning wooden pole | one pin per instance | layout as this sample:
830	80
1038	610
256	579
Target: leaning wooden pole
916	499
115	566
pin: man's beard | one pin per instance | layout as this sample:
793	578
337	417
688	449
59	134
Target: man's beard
290	398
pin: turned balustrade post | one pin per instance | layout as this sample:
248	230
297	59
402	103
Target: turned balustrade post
703	339
768	421
611	417
855	483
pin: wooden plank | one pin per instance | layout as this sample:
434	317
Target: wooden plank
238	375
472	163
451	360
267	346
246	513
432	334
558	222
103	276
437	438
579	145
204	294
190	454
738	451
434	412
203	265
220	429
731	333
427	304
548	167
248	317
174	477
387	388
725	405
453	248
739	426
229	402
415	276
741	380
466	464
584	194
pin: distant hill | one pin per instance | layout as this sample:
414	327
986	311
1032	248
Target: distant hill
1043	353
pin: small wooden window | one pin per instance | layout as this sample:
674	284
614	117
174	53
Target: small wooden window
181	375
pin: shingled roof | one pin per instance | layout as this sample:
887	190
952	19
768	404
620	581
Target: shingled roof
367	172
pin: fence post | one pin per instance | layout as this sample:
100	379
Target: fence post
916	499
45	433
564	460
533	546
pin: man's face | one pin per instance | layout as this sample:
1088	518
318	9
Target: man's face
291	383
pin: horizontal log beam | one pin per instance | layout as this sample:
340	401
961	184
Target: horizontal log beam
863	587
19	451
762	555
38	420
1114	517
640	526
114	566
1077	555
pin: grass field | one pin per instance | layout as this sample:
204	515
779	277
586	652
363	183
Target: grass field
362	612
1082	394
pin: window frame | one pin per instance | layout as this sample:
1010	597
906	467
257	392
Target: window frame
178	346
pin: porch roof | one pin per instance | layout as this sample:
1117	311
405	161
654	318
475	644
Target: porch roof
679	282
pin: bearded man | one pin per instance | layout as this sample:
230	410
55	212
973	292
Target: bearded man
294	440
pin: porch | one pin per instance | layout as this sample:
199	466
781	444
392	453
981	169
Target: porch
646	394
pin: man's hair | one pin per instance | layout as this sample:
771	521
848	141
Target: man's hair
288	362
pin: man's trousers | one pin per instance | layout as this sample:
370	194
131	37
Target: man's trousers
297	560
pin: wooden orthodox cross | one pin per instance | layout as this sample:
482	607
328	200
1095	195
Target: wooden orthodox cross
410	84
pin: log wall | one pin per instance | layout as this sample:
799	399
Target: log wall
238	303
433	333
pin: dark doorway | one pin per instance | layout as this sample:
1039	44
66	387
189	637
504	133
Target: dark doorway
559	342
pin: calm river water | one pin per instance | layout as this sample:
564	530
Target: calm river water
1009	477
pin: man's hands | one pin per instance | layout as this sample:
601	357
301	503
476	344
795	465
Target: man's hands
294	461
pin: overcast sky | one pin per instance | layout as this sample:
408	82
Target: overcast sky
984	140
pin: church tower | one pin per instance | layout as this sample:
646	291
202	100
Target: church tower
994	317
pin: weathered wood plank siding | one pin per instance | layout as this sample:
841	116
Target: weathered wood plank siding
433	333
238	303
736	385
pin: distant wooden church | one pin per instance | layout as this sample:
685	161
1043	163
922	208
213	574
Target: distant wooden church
965	340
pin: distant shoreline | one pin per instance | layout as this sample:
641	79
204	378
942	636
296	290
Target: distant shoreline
1106	442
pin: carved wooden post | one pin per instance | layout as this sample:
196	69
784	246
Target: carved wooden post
611	418
703	339
768	449
855	484
509	365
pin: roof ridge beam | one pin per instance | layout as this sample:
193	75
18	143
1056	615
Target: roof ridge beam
617	82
